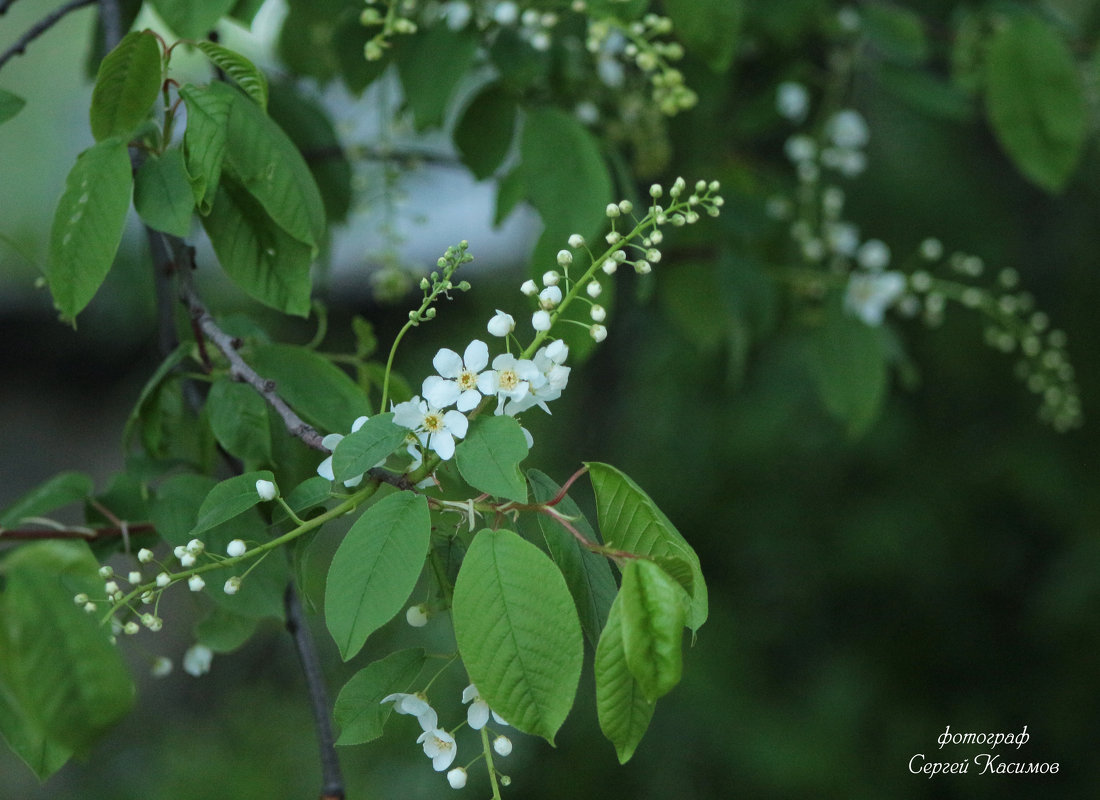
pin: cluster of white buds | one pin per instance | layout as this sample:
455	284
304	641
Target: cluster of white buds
640	43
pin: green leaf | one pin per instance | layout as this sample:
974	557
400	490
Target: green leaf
708	28
510	191
126	87
87	225
630	520
243	72
359	709
228	499
324	395
517	631
375	568
488	458
175	509
363	449
10	105
58	491
150	389
306	38
162	193
588	574
311	493
62	683
896	32
260	257
245	10
565	177
272	170
192	19
309	126
238	419
485	130
653	626
621	705
848	361
204	140
224	631
430	64
1034	100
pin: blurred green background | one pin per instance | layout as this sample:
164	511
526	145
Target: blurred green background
942	569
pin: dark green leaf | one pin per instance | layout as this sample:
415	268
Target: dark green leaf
375	569
324	395
162	193
488	458
708	28
260	257
87	225
896	32
243	72
359	709
430	64
305	40
485	130
588	574
228	499
631	521
510	192
622	707
224	631
10	105
128	83
1034	100
192	19
58	491
365	448
517	632
238	419
652	627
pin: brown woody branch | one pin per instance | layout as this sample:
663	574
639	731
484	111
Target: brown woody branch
39	28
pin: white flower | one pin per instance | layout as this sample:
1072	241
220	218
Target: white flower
501	324
847	129
236	548
458	377
457	14
414	705
541	321
440	428
196	661
195	583
869	294
162	667
477	715
792	100
417	616
457	777
873	255
266	490
440	747
324	469
511	379
503	745
506	13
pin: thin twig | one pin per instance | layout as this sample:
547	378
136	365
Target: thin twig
40	28
88	534
332	781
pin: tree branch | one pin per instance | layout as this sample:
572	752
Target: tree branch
40	28
88	534
332	781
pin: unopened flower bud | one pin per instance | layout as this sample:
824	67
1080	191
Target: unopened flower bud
565	258
540	320
501	324
457	777
106	571
195	583
594	289
598	332
551	277
417	616
145	555
163	579
236	548
503	745
232	586
612	210
576	241
598	313
529	288
134	576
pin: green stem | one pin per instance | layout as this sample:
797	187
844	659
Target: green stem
488	750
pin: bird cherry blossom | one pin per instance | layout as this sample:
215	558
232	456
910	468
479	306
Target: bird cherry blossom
440	747
459	377
324	469
439	428
868	295
414	705
511	379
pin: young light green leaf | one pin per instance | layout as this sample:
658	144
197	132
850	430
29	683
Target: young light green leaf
62	683
324	395
162	193
630	520
363	449
192	19
271	169
1034	100
127	85
488	458
375	568
359	710
587	574
204	140
708	28
518	632
238	419
87	225
485	130
260	257
621	705
240	69
228	499
58	491
428	88
10	105
653	627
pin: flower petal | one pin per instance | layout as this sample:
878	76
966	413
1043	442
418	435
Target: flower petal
456	423
439	392
476	356
447	363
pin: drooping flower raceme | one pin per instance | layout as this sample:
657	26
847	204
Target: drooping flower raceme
436	428
868	295
460	377
324	469
414	705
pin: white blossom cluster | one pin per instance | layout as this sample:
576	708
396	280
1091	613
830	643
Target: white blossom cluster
438	744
